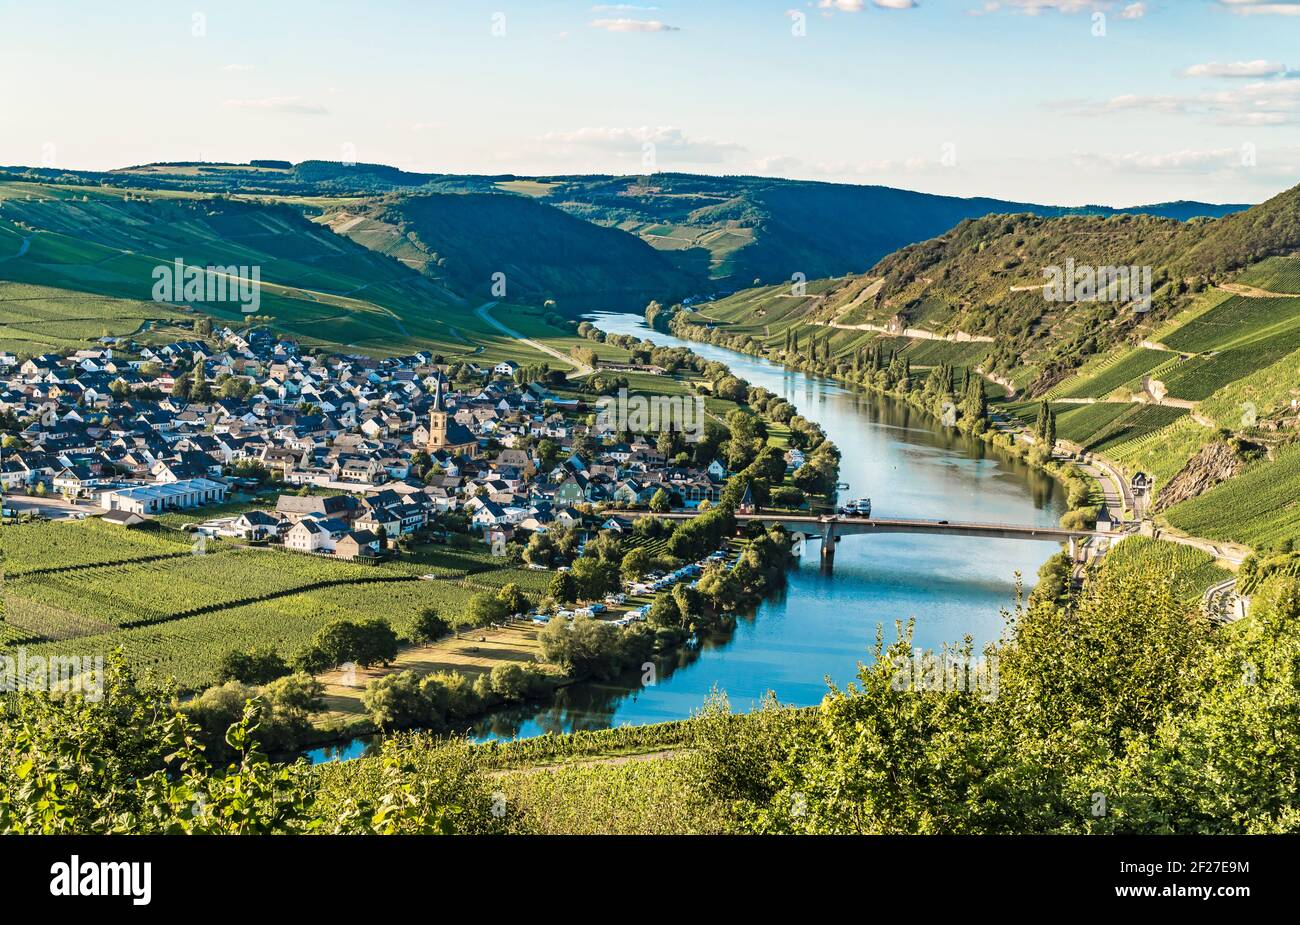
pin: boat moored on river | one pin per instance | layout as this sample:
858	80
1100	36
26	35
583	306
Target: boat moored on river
858	508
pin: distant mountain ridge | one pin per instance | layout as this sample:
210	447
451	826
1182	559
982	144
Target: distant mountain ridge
717	233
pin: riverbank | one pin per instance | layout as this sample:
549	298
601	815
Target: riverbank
1000	431
556	653
822	625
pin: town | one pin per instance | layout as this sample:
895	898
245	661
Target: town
367	450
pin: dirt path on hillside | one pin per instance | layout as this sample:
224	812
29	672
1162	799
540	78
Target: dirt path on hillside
1253	292
868	292
349	223
913	333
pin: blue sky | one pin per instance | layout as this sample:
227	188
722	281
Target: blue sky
1020	99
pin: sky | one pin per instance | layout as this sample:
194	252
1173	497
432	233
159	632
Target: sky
1051	101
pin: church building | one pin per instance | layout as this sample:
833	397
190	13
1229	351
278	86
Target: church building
446	435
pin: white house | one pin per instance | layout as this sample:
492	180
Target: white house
487	514
312	535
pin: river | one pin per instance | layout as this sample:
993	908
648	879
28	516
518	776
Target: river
822	626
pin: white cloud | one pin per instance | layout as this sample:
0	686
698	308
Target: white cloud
289	104
1135	10
878	169
632	25
622	8
671	144
1262	103
1188	160
1034	7
239	67
857	6
1257	68
1220	162
1262	7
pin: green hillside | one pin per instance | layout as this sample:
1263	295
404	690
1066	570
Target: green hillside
545	253
78	262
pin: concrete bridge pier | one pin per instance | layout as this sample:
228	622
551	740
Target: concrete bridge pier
828	546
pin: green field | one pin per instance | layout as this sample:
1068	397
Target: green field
42	319
529	322
157	591
188	649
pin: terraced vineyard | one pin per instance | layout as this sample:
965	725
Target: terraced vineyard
11	635
1191	570
1260	507
531	581
1137	422
177	612
1200	377
1268	389
188	649
1101	425
1238	320
934	352
1125	368
1161	453
40	319
153	591
1274	274
26	547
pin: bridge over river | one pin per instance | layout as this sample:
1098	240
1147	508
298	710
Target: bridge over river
830	527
